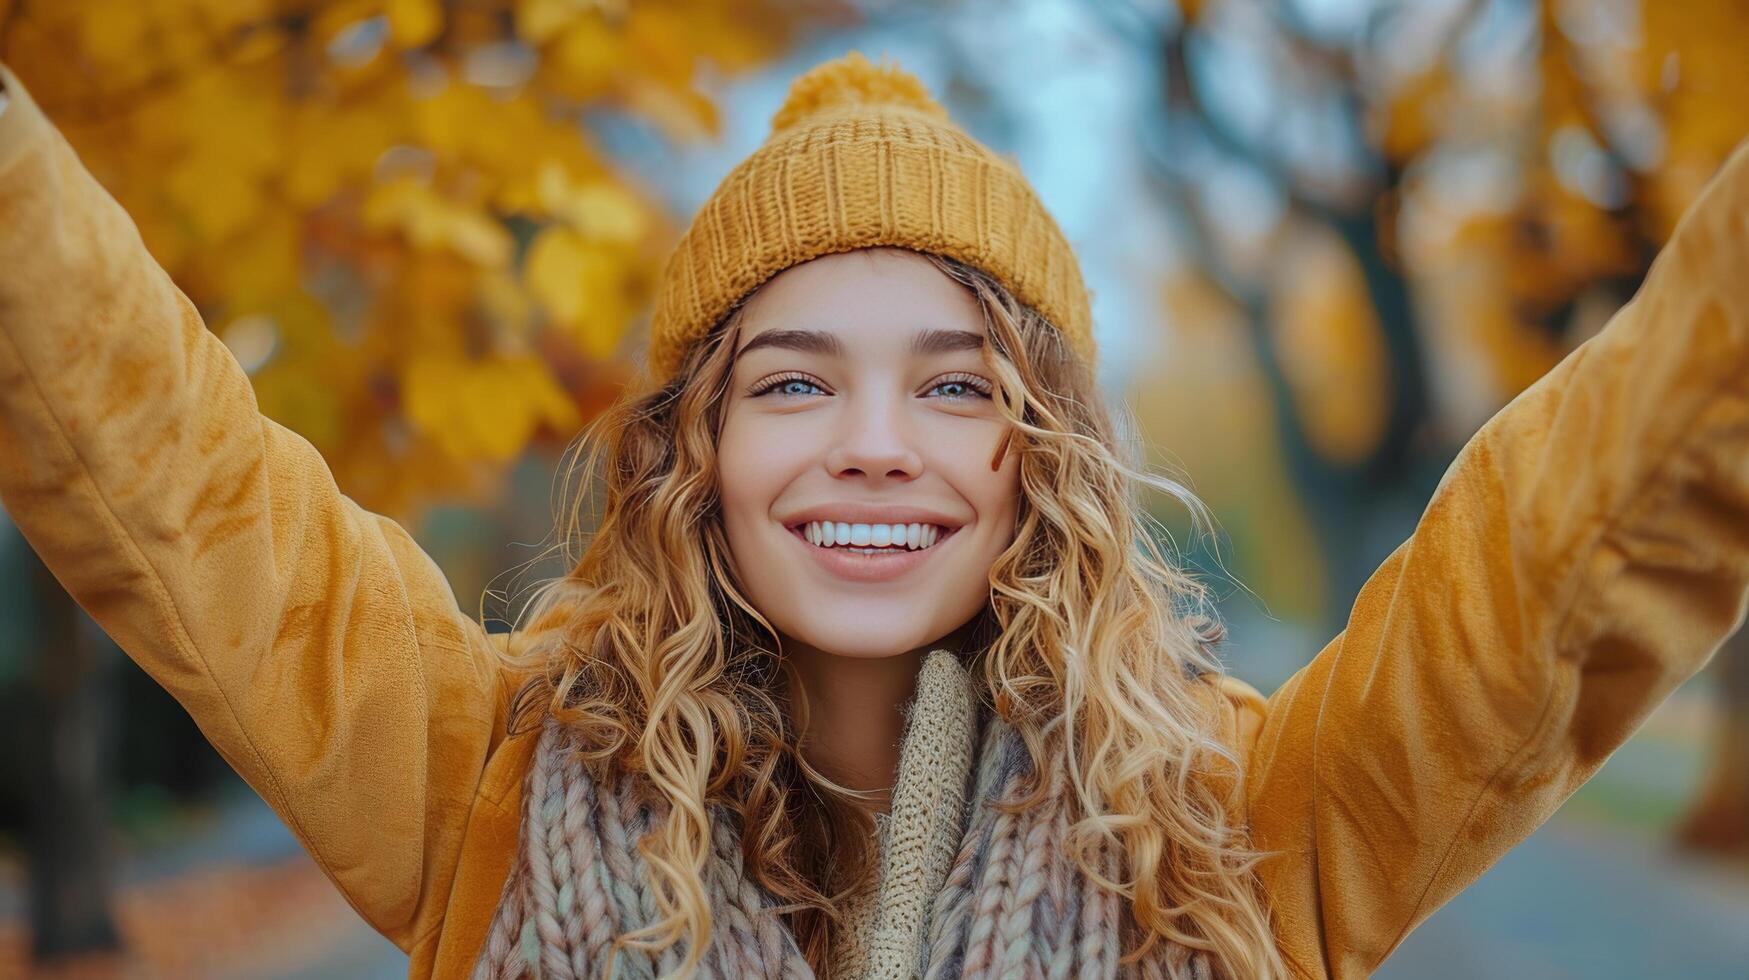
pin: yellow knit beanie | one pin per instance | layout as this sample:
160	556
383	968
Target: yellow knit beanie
860	155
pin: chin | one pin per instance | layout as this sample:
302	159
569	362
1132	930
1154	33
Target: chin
865	628
867	641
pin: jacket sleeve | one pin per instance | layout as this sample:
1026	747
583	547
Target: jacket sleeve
1586	552
317	647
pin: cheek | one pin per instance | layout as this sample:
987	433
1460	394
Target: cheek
737	479
747	460
963	459
754	466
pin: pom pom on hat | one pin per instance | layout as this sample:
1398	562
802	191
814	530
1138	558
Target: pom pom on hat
850	82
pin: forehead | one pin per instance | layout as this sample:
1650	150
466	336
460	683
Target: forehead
869	298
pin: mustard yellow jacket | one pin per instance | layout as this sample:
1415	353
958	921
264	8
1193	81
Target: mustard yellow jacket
1587	551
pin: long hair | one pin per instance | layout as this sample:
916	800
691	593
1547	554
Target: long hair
1090	646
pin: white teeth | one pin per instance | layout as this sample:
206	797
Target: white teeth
828	534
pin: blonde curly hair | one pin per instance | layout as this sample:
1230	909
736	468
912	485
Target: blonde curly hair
1090	647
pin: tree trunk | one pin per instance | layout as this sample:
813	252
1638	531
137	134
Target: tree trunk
69	732
1719	821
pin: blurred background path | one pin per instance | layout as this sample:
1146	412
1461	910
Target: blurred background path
1577	901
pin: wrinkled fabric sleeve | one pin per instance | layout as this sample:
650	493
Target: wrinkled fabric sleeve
1586	552
317	647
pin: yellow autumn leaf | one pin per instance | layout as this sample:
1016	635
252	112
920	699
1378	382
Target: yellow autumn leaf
430	220
216	200
434	401
335	146
539	21
584	59
597	209
114	33
486	409
413	23
501	141
259	266
530	382
581	286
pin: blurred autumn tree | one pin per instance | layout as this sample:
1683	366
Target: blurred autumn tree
393	213
1414	210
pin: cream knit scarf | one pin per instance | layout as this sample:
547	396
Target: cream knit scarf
984	895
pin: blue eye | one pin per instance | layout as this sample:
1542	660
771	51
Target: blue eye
791	386
964	386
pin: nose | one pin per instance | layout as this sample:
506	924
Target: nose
875	442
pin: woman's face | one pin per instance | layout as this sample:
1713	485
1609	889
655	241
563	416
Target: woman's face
859	402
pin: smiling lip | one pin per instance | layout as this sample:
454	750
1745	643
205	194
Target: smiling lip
870	568
870	514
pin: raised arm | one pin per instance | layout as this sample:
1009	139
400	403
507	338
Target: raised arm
1587	552
317	647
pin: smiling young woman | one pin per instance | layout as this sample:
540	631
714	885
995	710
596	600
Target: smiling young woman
869	666
886	391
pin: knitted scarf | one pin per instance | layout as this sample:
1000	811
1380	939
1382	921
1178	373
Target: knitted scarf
1001	899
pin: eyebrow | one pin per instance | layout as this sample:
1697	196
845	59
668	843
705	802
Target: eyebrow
946	341
820	342
806	341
